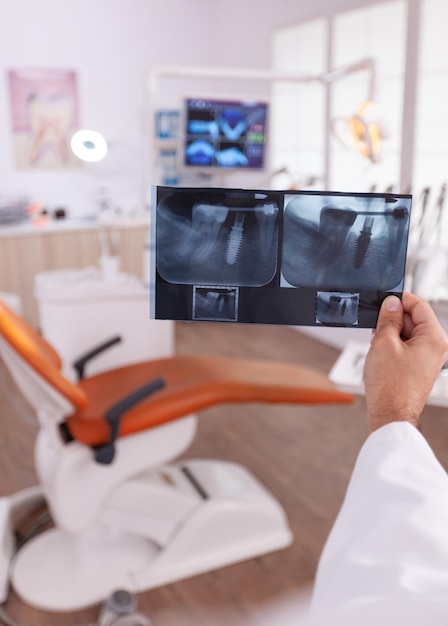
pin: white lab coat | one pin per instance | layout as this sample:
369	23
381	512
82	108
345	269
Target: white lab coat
386	558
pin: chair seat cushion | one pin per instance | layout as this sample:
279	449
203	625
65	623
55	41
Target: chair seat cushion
193	383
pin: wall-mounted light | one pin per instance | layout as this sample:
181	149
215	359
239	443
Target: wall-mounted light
89	145
361	130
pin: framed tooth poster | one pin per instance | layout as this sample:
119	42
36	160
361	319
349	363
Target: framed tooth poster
44	116
276	257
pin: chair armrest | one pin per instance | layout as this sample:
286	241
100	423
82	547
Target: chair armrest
105	453
80	363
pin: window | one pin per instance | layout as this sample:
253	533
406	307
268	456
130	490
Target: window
297	137
301	114
431	151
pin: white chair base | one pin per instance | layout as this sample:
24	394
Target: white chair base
232	517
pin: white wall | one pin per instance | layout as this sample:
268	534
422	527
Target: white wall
111	44
245	26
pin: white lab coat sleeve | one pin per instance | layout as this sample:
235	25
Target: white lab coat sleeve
390	539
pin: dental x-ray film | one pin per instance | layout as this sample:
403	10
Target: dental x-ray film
276	257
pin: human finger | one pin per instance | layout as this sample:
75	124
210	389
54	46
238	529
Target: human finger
390	317
420	320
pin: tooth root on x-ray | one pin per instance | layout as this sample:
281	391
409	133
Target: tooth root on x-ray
397	228
206	224
363	243
266	219
235	239
333	231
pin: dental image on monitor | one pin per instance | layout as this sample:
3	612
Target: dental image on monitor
276	257
228	134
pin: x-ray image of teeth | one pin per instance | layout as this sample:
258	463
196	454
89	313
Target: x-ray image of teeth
314	258
337	308
215	303
217	240
345	243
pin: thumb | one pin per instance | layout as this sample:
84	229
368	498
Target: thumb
390	319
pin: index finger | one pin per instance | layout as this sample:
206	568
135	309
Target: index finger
420	319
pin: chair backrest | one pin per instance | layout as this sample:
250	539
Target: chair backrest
35	366
192	383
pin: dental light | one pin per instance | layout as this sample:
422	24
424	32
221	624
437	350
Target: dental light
361	131
366	135
89	145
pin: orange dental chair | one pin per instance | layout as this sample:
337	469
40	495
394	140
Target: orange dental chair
124	517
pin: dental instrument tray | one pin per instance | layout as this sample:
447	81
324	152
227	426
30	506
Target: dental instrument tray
276	257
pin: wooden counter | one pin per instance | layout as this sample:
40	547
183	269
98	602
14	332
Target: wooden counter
26	250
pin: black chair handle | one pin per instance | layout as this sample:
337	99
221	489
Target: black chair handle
80	363
105	453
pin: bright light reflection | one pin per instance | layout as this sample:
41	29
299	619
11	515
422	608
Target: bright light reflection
89	145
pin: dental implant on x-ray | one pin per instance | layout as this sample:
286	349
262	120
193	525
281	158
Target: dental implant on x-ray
351	247
266	220
396	227
235	239
213	303
337	308
363	242
335	226
225	240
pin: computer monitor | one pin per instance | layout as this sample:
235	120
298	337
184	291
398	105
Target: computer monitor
225	134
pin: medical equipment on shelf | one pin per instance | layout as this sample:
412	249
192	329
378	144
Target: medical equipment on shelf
123	517
427	254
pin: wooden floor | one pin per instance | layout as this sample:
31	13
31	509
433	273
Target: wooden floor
303	455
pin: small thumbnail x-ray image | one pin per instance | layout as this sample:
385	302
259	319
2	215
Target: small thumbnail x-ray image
214	303
337	308
345	242
218	238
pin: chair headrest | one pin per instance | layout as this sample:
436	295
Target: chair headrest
32	348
